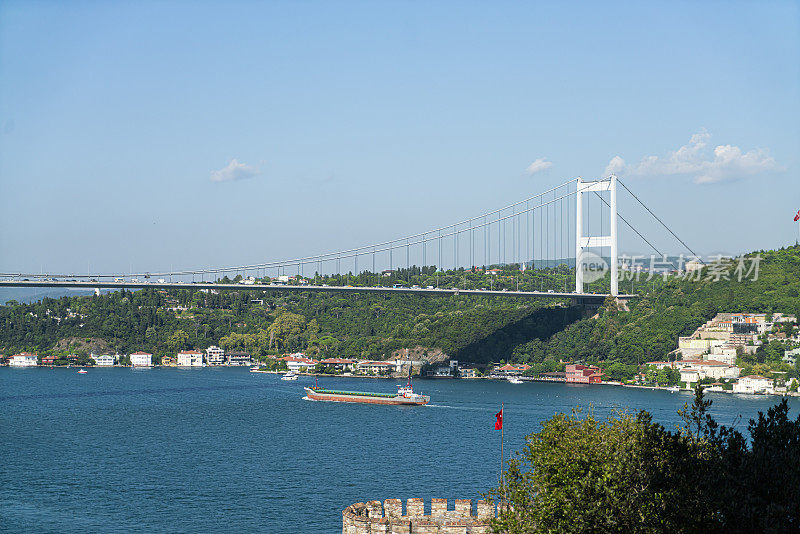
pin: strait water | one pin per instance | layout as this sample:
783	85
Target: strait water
225	450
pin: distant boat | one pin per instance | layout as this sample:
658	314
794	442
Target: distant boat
673	389
289	376
82	372
514	380
255	368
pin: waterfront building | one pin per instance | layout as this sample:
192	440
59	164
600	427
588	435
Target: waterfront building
24	359
141	359
48	360
298	363
340	364
690	376
467	372
190	358
443	371
215	355
557	376
717	370
103	360
512	370
753	384
696	370
237	357
583	374
371	367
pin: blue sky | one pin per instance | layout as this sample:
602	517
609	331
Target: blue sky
151	135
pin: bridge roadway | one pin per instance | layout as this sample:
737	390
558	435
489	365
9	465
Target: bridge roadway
580	298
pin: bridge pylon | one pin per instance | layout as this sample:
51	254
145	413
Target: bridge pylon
583	244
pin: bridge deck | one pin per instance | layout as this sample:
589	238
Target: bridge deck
264	287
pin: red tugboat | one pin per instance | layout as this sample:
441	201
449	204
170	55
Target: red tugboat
405	396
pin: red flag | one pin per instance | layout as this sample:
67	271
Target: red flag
797	217
498	425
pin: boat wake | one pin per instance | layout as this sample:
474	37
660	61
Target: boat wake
469	408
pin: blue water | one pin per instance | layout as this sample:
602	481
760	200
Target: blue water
225	450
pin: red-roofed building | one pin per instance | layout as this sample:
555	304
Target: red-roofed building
583	374
375	368
49	360
509	369
24	359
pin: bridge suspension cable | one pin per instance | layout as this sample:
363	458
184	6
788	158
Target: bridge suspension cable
548	243
454	231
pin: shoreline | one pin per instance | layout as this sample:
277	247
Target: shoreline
498	378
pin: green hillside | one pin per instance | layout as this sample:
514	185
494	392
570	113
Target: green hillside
469	328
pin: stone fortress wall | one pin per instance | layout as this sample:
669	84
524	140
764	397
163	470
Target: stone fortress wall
388	518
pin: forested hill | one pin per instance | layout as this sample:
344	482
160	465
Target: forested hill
478	329
327	324
674	307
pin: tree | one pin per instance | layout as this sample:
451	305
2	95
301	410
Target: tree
628	474
178	341
286	326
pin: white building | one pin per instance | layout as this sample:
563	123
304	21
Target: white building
215	355
340	364
753	384
695	370
374	367
690	376
717	370
141	359
790	356
103	360
190	358
298	363
24	359
723	353
239	358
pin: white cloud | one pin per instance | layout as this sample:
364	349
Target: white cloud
615	166
692	159
541	164
234	171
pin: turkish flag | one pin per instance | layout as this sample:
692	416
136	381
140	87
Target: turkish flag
797	217
498	425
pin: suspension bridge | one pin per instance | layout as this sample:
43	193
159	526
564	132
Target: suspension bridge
574	224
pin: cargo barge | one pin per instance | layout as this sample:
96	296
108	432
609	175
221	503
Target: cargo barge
405	396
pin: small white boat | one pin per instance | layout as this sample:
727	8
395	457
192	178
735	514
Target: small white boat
673	389
514	380
82	372
255	368
289	376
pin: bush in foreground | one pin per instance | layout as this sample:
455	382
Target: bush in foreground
629	474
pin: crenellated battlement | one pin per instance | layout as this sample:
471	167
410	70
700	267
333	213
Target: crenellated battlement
375	517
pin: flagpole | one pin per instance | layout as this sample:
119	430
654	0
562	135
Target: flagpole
502	431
